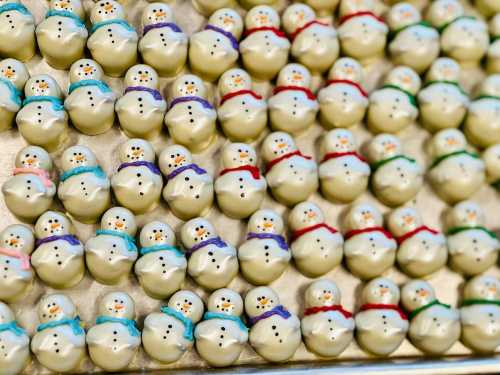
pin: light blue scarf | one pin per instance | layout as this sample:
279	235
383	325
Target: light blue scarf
96	170
73	323
98	25
215	315
152	249
14	6
15	94
186	322
129	323
89	82
65	13
13	327
57	103
128	239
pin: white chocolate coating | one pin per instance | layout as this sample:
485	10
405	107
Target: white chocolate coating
493	54
14	71
15	352
491	158
247	4
487	7
207	7
17	34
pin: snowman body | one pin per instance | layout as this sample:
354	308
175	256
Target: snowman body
482	125
10	102
17	31
15	351
493	57
292	110
481	326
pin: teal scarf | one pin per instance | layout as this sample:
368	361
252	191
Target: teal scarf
127	238
15	94
98	25
14	6
155	248
129	323
96	170
65	13
73	323
57	103
89	82
13	327
186	322
214	315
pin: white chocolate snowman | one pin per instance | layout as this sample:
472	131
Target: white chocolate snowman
13	76
293	106
191	117
207	7
215	49
369	249
242	112
30	191
434	326
381	325
84	188
264	51
240	188
323	8
16	275
491	158
487	7
163	45
455	173
111	254
314	43
343	172
15	350
422	250
247	4
189	189
316	247
90	102
396	178
59	341
493	54
265	254
112	41
326	327
343	101
62	35
275	332
480	314
362	33
161	269
222	335
168	334
292	176
17	31
414	43
212	263
114	341
482	124
394	107
42	121
58	257
442	102
137	184
472	247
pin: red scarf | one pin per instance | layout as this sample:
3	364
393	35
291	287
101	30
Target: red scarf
315	310
238	93
275	30
355	232
360	14
300	232
254	171
334	155
382	306
273	162
410	234
305	90
309	24
348	82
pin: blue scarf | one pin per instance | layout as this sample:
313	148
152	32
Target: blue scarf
15	94
214	315
57	103
89	82
65	13
186	322
129	323
73	323
96	170
14	6
127	238
13	327
123	23
155	248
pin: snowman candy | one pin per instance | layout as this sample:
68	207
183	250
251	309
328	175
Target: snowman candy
212	262
264	51
207	7
62	35
90	102
84	188
112	252
112	42
316	247
115	340
487	7
493	54
242	112
163	45
189	191
222	335
168	334
17	31
291	175
59	341
265	255
491	158
15	351
434	326
30	191
240	188
326	327
293	106
161	269
137	184
13	77
343	172
58	257
191	117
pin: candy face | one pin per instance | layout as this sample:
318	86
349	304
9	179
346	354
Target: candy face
15	345
17	33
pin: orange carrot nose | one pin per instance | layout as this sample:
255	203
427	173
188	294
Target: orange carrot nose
30	161
406	79
13	241
63	4
349	70
472	215
390	147
158	236
80	157
281	145
160	13
407	14
384	290
311	215
301	16
119	224
268	225
327	296
179	159
9	73
186	307
200	232
227	305
243	154
55	225
54	309
119	306
451	141
136	152
367	216
263	18
423	293
43	85
408	220
108	7
190	88
238	80
344	141
228	20
297	77
87	69
264	301
492	289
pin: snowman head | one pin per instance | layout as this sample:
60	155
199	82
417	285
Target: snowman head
383	146
266	221
84	69
105	10
259	300
338	140
262	16
305	214
491	158
294	75
466	213
196	231
6	314
447	141
73	6
401	15
117	305
119	219
353	6
405	78
78	156
228	20
55	307
157	13
17	237
381	290
42	85
444	69
136	149
234	80
348	69
441	12
174	157
225	301
296	16
363	215
277	144
14	71
238	154
491	85
483	287
53	223
322	293
417	293
188	85
494	25
33	157
403	220
156	233
188	304
142	75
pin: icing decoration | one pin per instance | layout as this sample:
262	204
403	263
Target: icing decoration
307	25
214	315
186	322
476	301
453	83
41	173
278	310
129	240
271	236
383	306
155	248
273	162
25	259
410	234
183	99
228	35
348	82
14	6
380	163
417	311
155	93
57	103
217	241
96	170
13	327
179	170
238	93
451	154
274	30
160	25
15	94
411	97
395	32
318	309
355	232
334	155
254	171
73	323
67	14
151	166
123	23
129	323
300	232
305	90
89	82
361	14
456	230
442	28
69	238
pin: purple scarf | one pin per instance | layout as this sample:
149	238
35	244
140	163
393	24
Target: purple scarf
184	99
278	310
72	240
261	236
179	170
228	35
160	25
156	94
153	168
217	241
